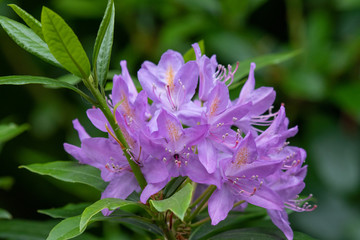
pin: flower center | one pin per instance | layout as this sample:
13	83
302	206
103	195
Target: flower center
241	157
170	78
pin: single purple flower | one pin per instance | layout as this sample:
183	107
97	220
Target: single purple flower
171	84
210	73
288	182
261	100
172	154
107	156
243	175
219	116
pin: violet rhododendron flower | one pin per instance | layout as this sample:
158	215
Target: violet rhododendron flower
240	146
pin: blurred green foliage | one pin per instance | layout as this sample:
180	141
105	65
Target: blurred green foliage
320	89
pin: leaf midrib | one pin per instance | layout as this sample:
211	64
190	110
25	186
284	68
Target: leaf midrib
64	45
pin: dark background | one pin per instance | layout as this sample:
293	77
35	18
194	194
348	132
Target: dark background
320	89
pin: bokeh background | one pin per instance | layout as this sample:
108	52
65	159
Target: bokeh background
320	89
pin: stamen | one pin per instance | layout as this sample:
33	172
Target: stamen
296	205
168	94
117	140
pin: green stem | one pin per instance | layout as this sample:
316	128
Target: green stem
200	222
102	104
201	197
169	235
238	203
187	180
209	191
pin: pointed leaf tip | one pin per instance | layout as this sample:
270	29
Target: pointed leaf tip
106	203
177	203
64	44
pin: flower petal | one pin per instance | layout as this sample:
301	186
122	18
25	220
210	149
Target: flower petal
207	155
130	84
151	189
249	86
220	204
155	171
120	187
218	100
80	129
97	118
185	83
280	219
263	197
169	126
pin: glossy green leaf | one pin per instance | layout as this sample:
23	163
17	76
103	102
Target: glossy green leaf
172	186
233	221
11	130
4	214
66	229
136	222
6	182
67	78
190	54
34	24
25	229
245	234
22	80
28	40
69	228
262	61
106	203
103	44
70	210
177	203
64	44
69	172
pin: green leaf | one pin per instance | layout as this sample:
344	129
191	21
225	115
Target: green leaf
69	228
172	186
21	80
25	229
68	78
106	203
177	203
262	61
28	40
64	44
233	221
11	130
4	214
135	222
66	229
34	24
245	234
69	172
6	182
69	210
103	44
190	54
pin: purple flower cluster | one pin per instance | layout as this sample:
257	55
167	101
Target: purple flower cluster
239	146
